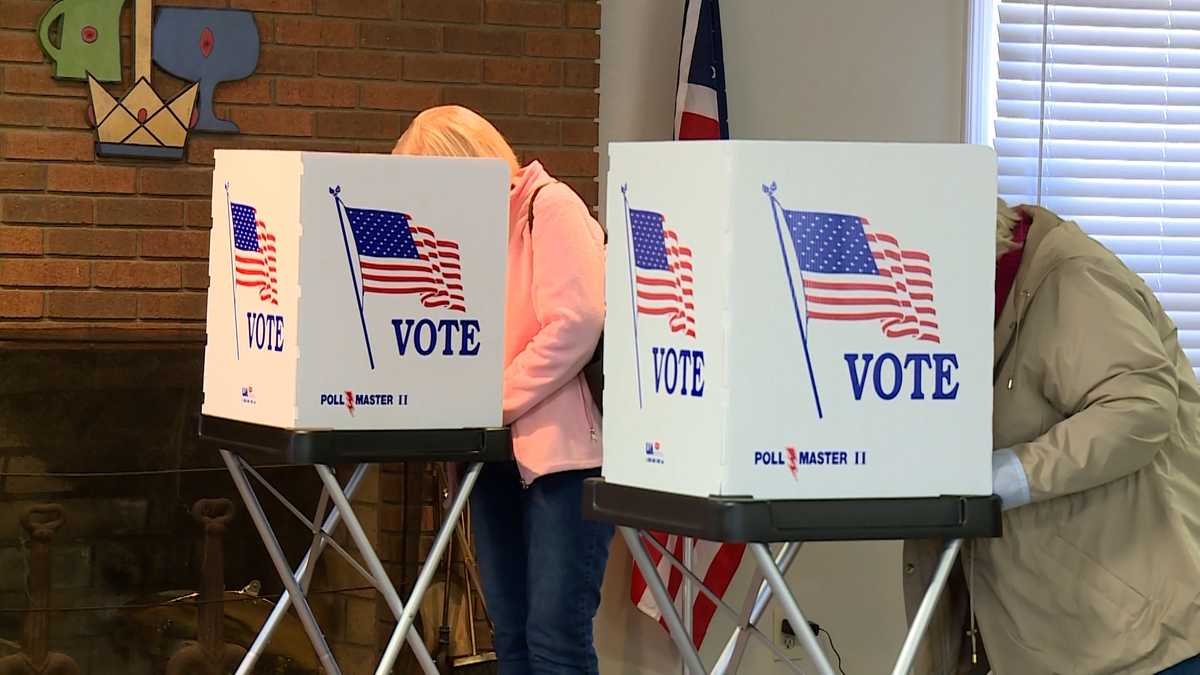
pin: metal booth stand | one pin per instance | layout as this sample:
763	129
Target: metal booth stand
322	450
790	522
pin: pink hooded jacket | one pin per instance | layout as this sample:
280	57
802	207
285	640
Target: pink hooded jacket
554	317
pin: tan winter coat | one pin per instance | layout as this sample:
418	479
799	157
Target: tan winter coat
1101	573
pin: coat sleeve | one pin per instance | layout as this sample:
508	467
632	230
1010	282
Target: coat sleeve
568	301
1104	367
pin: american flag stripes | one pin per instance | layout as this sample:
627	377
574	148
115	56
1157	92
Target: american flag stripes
850	273
254	253
663	270
397	257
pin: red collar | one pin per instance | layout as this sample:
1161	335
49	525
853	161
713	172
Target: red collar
1009	264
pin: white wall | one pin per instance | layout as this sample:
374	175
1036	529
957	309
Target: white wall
795	69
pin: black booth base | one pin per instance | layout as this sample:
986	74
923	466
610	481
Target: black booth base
264	443
743	520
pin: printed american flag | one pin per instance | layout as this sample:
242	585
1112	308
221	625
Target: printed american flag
853	274
663	272
397	257
254	253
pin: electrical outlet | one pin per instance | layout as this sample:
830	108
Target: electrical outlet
788	644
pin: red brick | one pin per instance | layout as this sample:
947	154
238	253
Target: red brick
587	189
199	214
21	304
266	28
526	131
360	125
558	43
26	272
384	147
367	65
91	178
15	176
91	243
316	93
200	150
36	112
569	162
280	6
133	211
523	71
176	181
471	40
580	133
91	305
582	74
562	103
273	121
583	14
358	9
252	90
49	145
21	14
47	209
406	36
19	46
380	96
195	275
20	240
314	32
454	11
524	13
486	99
439	68
172	305
40	80
134	274
190	3
286	61
167	244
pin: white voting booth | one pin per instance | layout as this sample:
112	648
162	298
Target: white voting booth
355	315
797	346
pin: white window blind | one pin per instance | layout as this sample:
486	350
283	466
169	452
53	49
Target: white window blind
1097	117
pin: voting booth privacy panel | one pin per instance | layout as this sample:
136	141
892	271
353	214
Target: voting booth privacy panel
793	320
356	291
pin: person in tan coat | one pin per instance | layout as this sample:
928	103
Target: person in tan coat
1096	431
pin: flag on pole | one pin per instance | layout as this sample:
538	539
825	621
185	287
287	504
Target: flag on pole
851	273
700	114
254	253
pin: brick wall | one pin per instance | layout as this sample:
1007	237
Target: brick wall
98	245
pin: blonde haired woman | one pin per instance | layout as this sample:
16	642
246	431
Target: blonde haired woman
1096	414
542	564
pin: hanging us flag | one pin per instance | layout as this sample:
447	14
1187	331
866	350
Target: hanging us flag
850	273
700	108
254	253
663	272
397	257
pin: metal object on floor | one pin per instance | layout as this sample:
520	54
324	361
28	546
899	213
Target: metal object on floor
210	654
40	522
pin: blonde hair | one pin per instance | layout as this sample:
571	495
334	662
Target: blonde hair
455	131
1006	219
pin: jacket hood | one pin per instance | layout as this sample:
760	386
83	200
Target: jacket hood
524	183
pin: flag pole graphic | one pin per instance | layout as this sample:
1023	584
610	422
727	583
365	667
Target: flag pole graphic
340	206
237	345
769	190
637	352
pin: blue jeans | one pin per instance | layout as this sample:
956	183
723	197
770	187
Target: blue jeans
1189	667
542	566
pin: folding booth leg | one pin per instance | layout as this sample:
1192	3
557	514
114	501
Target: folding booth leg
303	574
760	594
286	575
925	612
791	609
374	566
428	569
683	641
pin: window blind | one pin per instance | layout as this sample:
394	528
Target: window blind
1097	117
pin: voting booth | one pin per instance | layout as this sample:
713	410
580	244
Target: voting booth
797	347
355	315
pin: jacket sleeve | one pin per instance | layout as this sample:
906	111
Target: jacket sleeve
568	301
1104	367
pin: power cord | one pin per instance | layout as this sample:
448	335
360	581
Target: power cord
816	629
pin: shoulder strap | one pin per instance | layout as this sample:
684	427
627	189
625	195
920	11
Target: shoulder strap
532	200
